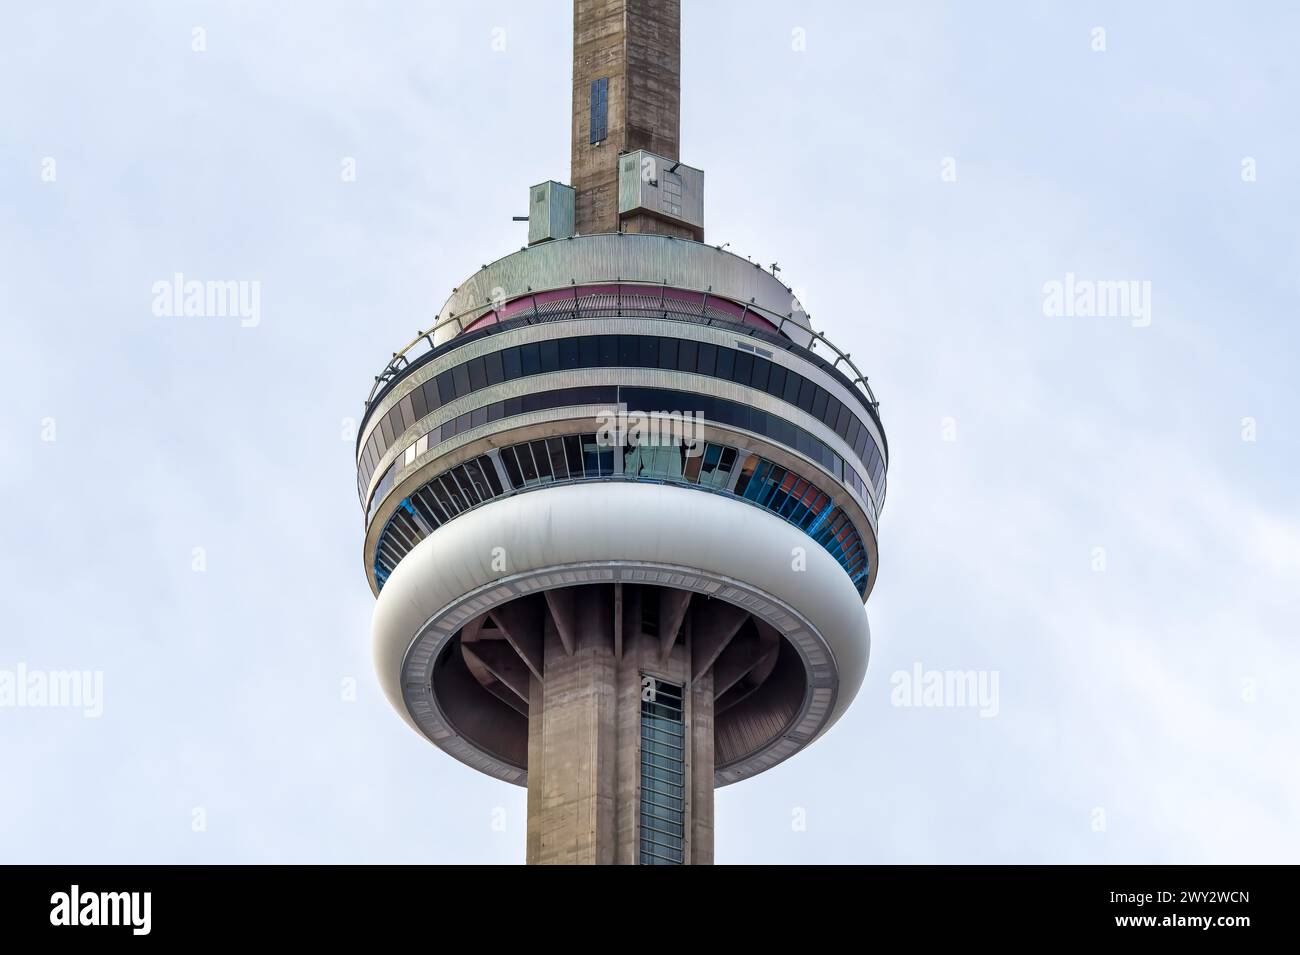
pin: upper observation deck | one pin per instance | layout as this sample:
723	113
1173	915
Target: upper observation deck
636	275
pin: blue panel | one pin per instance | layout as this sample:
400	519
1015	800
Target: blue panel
599	109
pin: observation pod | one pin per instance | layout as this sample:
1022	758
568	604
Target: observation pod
621	500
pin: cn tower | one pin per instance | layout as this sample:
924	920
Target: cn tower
621	498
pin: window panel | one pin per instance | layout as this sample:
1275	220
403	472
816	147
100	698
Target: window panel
542	460
819	403
806	393
608	351
490	474
725	363
744	369
597	124
832	412
648	347
687	355
707	360
431	398
511	363
460	378
559	467
692	470
746	476
776	381
842	422
477	373
668	353
573	455
512	467
550	355
792	383
530	358
493	368
629	351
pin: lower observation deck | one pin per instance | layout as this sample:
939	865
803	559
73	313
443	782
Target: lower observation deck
784	667
573	458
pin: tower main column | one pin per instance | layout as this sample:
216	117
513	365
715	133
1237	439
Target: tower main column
626	96
620	745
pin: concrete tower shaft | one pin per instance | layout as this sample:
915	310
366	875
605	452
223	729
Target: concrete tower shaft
626	97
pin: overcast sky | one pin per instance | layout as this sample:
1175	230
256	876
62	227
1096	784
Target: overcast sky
1099	509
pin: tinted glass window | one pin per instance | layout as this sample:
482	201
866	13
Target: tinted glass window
418	404
511	364
807	391
726	362
460	377
530	358
573	454
569	353
492	363
842	422
608	351
526	464
687	355
776	381
407	412
832	412
559	465
588	351
490	474
512	467
819	404
477	373
599	109
706	362
762	369
550	355
542	459
649	346
446	388
792	383
629	353
744	369
668	353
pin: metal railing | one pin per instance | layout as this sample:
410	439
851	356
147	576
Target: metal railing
407	355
